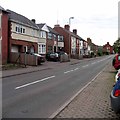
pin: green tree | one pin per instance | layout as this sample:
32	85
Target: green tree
100	51
116	45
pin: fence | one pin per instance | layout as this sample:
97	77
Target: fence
22	58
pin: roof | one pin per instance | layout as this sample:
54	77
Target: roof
2	9
41	25
52	30
15	17
71	33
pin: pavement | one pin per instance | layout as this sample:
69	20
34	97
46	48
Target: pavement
93	101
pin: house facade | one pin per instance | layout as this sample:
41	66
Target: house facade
72	42
43	31
50	40
55	41
23	33
85	48
92	48
3	36
107	48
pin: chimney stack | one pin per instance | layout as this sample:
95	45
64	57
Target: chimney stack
57	25
67	27
89	40
75	31
33	20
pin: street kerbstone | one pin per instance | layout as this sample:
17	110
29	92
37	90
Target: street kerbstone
94	100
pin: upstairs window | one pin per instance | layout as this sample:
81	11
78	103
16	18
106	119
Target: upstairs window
50	36
33	32
23	30
43	34
20	29
60	38
55	37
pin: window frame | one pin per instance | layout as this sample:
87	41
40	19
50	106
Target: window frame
41	48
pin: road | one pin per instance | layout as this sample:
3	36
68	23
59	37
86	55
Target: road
40	94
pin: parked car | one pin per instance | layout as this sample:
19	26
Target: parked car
115	97
116	62
62	53
40	58
52	56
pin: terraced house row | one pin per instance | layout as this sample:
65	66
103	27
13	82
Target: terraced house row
19	36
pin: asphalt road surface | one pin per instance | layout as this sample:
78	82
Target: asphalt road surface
40	94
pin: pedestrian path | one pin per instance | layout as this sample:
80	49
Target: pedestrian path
94	100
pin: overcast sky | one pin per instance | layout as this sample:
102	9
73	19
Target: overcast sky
97	19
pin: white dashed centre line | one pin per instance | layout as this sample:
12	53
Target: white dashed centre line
76	69
93	63
28	84
68	71
85	66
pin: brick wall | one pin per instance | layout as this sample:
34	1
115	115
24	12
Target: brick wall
4	38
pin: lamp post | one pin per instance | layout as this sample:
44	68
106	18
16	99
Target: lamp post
70	20
69	35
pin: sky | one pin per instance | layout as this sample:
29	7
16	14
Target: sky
95	19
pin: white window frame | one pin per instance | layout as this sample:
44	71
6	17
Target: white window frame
20	29
41	48
42	34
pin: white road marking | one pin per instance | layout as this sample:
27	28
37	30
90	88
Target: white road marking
76	69
25	85
71	70
68	71
85	66
93	63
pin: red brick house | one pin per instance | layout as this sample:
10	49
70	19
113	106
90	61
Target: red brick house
55	41
23	36
107	48
3	35
71	41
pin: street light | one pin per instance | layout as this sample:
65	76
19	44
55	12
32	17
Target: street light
69	34
70	20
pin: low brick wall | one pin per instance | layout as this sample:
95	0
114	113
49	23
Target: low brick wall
22	58
76	56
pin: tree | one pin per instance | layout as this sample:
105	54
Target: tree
116	45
